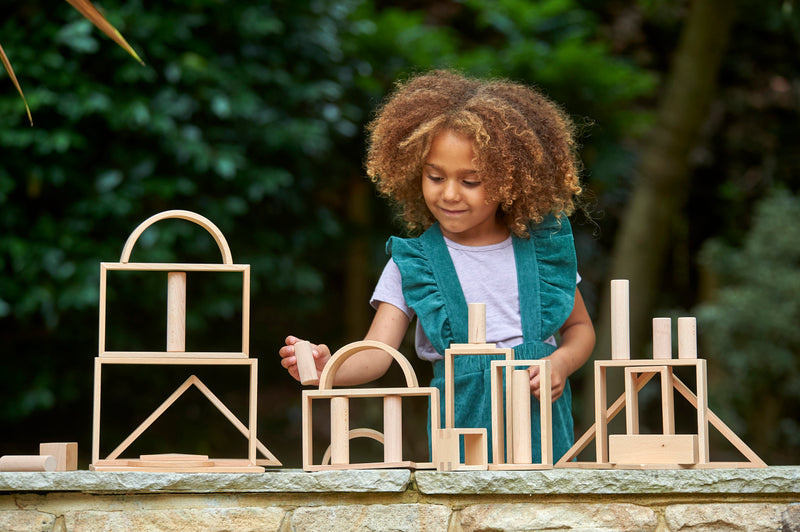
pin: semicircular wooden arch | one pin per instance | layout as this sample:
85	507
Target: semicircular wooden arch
338	358
355	433
202	221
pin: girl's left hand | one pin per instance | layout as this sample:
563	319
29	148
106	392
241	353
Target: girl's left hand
558	377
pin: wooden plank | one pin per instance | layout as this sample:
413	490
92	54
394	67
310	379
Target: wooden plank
173	266
653	449
136	357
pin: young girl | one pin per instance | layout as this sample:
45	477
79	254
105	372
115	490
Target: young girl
487	170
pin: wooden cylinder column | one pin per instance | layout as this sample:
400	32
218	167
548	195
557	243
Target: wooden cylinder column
393	429
521	416
340	431
176	312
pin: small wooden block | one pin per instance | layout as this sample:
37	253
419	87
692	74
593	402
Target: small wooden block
447	454
66	454
476	323
24	462
652	449
687	337
620	320
662	338
306	366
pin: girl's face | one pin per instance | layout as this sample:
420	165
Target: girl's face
455	194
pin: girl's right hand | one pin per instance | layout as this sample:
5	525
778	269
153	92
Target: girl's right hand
321	356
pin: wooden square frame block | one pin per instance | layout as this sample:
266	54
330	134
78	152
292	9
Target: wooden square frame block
447	449
518	442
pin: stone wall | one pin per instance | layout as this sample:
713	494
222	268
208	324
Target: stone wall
292	500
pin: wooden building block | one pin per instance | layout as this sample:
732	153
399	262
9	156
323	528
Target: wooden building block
632	402
340	428
306	366
449	374
521	416
687	338
393	429
447	449
662	338
620	320
176	311
340	422
23	462
653	449
503	440
308	424
66	454
476	319
175	354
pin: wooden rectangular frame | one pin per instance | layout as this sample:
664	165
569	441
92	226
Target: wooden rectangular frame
105	267
113	463
449	374
545	416
308	432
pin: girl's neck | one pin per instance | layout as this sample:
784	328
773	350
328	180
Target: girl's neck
486	237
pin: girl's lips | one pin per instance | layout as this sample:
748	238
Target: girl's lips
451	212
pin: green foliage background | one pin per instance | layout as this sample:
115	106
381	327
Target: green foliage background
252	114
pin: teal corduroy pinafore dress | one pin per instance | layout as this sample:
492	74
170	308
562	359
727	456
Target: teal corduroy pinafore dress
546	278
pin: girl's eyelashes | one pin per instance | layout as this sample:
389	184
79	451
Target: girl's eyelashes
471	183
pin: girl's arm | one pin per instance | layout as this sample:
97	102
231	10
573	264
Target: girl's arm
388	326
577	342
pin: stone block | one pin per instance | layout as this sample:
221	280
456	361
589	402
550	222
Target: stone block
750	517
790	518
26	521
188	519
534	516
383	517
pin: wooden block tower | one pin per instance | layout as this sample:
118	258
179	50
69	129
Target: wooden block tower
175	354
666	450
337	455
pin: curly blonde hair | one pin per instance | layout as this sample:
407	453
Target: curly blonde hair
523	144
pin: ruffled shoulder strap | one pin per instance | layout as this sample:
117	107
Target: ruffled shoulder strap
431	286
546	274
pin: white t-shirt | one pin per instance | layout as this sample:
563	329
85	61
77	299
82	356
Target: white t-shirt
487	274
